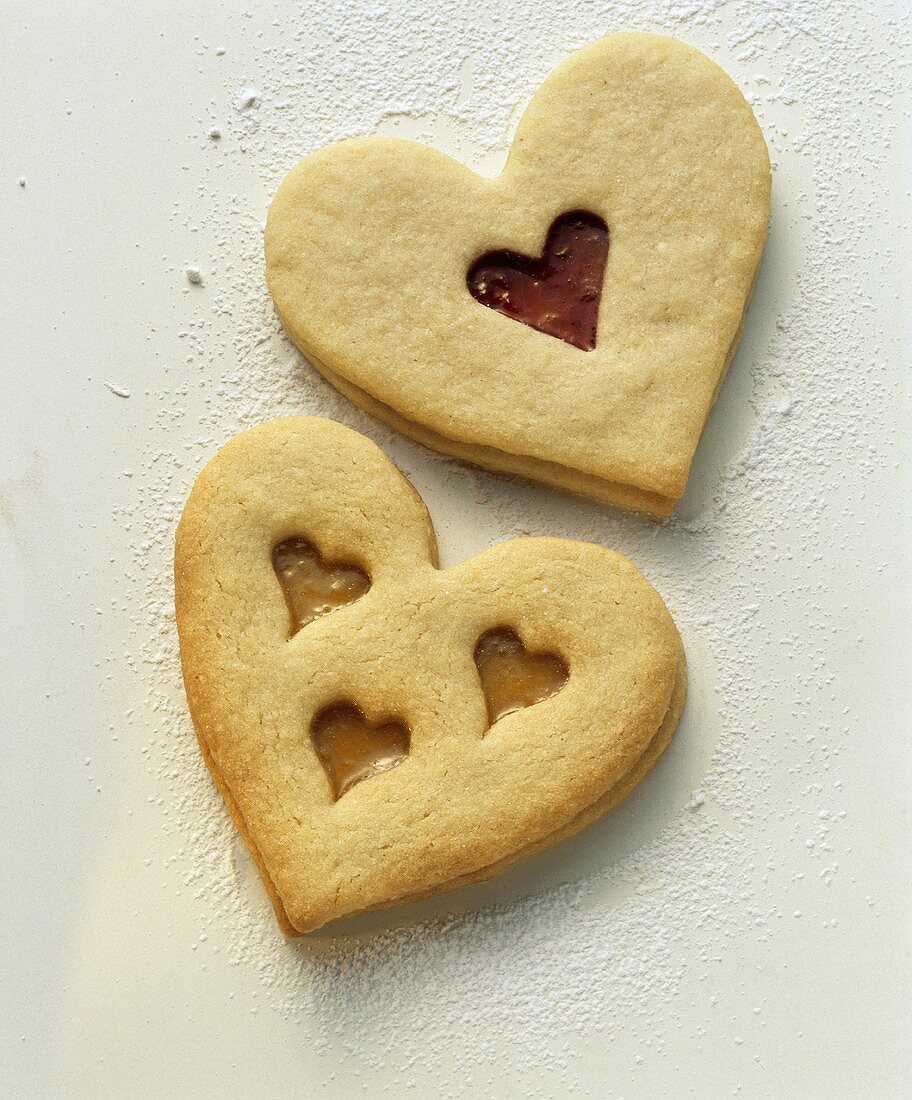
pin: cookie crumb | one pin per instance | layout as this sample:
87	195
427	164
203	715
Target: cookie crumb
118	391
194	275
245	98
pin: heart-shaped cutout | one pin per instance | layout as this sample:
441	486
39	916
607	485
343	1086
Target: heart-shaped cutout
312	586
512	678
275	715
369	242
351	749
558	294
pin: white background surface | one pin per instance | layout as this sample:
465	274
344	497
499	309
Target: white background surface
741	926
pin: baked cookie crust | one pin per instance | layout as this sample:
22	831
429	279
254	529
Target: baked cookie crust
467	800
368	244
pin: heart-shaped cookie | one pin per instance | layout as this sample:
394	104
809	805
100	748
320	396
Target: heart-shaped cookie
436	726
376	255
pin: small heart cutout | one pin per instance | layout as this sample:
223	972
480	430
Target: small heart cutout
513	678
312	586
352	749
558	294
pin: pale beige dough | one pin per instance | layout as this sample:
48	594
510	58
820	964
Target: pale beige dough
466	801
368	244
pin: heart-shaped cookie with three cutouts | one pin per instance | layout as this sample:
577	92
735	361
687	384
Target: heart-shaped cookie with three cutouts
382	729
571	320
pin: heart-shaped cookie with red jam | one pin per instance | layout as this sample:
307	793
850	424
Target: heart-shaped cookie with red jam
381	729
571	320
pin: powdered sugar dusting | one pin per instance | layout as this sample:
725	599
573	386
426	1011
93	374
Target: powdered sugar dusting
670	883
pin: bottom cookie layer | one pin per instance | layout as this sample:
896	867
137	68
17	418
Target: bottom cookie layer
548	473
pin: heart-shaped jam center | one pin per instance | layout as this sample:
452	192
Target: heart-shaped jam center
351	749
312	586
511	676
558	294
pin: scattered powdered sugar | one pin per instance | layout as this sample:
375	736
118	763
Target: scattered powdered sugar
610	950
